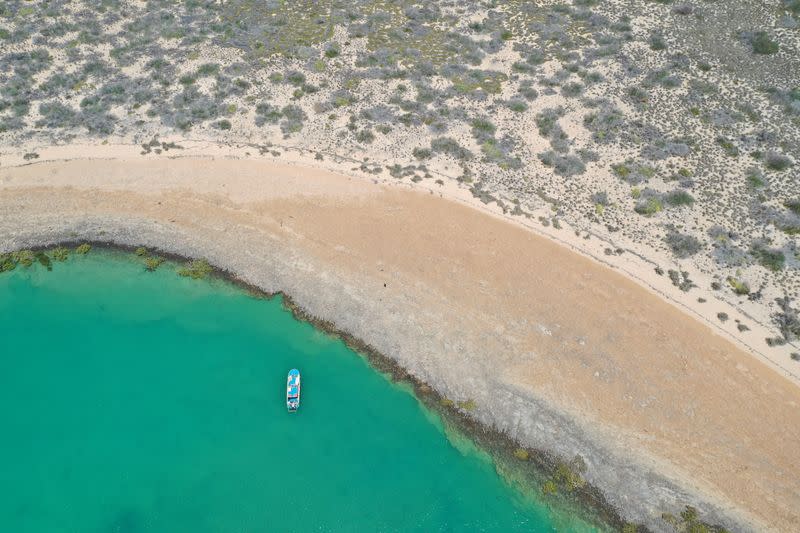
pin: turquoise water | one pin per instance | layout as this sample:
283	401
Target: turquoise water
136	401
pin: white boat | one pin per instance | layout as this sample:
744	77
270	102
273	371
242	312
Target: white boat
293	390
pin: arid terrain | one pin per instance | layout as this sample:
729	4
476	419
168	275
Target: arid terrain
659	138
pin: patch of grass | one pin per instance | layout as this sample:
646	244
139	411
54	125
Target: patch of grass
196	269
141	251
83	249
521	454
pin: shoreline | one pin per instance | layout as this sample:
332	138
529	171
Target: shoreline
88	210
587	501
641	270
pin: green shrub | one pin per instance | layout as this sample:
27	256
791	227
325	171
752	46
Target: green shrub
649	206
778	162
730	149
755	178
678	198
793	205
141	251
762	44
769	258
196	269
739	287
521	454
568	475
467	405
421	153
24	257
153	262
60	254
657	42
549	487
517	105
682	245
7	263
365	136
83	249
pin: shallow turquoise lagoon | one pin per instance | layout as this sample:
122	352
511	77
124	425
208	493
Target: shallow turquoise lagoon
135	401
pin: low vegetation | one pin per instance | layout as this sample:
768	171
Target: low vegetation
196	269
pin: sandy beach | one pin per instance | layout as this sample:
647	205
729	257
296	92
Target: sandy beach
563	353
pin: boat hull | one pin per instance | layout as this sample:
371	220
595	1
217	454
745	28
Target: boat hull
293	391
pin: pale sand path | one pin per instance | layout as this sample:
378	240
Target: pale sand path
483	305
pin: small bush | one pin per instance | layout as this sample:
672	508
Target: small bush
682	245
777	162
723	317
60	254
365	136
730	149
549	487
755	178
563	165
769	258
421	153
521	454
450	146
24	257
793	205
152	263
649	206
517	105
739	287
679	198
7	263
83	249
568	475
467	405
762	44
196	269
141	251
657	42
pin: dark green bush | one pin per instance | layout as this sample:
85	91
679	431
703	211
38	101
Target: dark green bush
762	44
